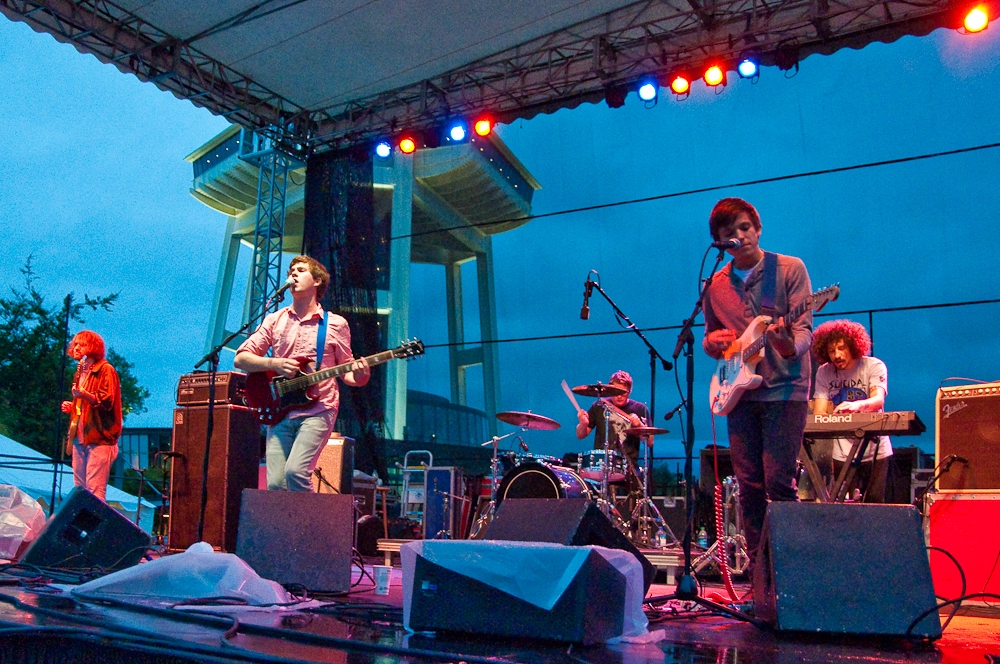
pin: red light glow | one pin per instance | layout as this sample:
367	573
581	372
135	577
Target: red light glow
714	75
680	84
977	19
483	127
407	146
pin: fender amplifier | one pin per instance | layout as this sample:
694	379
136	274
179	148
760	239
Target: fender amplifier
968	431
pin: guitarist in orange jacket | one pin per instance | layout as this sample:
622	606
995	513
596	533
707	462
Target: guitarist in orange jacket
95	414
294	443
765	427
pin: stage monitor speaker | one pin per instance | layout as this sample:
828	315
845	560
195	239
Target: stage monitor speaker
233	466
336	466
845	569
968	427
296	537
568	521
85	533
590	610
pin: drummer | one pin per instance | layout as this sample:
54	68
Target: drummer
636	412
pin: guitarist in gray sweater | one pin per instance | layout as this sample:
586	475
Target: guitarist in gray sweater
766	423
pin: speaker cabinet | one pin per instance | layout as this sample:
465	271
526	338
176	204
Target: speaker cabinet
590	610
968	426
964	526
86	533
295	537
846	569
568	521
234	460
336	466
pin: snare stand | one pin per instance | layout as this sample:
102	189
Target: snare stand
642	512
479	527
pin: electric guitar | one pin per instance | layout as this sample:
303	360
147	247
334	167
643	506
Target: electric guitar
734	374
271	396
76	408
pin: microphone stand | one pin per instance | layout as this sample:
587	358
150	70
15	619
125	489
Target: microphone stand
687	585
212	358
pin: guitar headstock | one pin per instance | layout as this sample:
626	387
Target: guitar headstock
408	349
822	297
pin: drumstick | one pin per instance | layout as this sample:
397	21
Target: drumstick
572	397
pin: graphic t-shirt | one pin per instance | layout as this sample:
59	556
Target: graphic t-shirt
853	385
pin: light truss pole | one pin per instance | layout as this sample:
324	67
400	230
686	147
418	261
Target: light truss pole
273	166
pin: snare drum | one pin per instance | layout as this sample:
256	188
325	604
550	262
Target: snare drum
539	458
538	480
592	466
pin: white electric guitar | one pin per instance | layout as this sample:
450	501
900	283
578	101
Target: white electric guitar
734	374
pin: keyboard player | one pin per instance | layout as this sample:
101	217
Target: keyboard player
851	381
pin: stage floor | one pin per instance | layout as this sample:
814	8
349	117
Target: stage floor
39	623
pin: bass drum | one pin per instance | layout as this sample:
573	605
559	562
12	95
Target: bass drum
539	480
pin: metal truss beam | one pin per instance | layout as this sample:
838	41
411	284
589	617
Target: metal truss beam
562	69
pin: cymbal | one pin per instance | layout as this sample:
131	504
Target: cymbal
528	420
599	390
645	431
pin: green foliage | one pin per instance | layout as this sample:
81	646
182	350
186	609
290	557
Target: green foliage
36	374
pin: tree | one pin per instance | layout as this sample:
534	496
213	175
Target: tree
35	374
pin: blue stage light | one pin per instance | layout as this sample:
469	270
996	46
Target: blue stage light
458	131
648	89
748	68
383	149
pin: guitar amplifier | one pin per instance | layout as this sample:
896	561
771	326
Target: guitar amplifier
230	388
968	431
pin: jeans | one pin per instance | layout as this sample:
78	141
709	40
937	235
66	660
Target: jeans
293	446
92	467
764	440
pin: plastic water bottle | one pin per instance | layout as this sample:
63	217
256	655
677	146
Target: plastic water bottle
661	538
703	538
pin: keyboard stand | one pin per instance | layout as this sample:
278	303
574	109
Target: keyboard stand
837	493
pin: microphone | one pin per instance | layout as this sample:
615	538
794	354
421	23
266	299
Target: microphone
588	288
676	410
728	244
523	445
289	282
960	459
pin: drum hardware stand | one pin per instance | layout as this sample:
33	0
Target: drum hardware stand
646	513
479	527
736	542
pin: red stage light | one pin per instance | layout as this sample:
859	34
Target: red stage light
483	127
407	145
977	19
680	84
714	75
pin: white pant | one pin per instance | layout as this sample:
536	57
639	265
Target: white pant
92	467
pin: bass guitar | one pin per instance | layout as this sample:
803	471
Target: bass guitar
271	396
734	373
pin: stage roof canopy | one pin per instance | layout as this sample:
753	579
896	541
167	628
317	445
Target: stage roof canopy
332	73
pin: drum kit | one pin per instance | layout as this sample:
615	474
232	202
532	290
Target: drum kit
595	476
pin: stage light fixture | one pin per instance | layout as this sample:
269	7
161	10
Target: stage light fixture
680	84
649	88
407	145
977	19
483	127
458	130
383	149
748	68
714	76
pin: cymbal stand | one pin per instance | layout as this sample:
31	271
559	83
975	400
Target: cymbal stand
734	543
646	512
487	515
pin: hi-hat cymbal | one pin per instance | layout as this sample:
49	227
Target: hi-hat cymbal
528	420
599	390
645	431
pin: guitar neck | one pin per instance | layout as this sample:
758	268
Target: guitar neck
300	382
790	317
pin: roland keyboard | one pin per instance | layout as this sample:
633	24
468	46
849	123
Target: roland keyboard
846	425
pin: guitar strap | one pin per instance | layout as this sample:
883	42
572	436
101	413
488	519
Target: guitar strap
769	283
321	339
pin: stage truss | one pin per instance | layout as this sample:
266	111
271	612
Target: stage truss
576	64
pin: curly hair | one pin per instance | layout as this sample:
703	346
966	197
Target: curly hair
91	343
832	331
